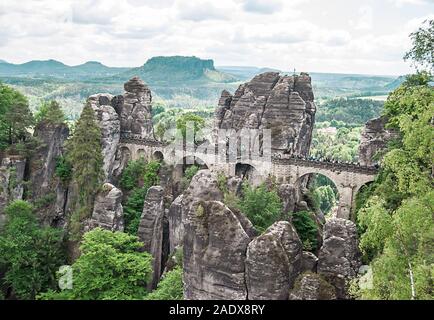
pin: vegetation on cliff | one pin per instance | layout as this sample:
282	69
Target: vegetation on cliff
396	222
30	254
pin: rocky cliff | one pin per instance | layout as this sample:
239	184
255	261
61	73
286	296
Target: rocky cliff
283	104
373	140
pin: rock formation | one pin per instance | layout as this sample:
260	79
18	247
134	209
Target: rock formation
273	262
309	262
109	123
215	244
339	258
12	171
151	230
108	211
374	138
43	183
311	286
284	104
176	224
135	111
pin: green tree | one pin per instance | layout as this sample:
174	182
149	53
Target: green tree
15	116
307	229
85	154
111	267
197	122
261	206
50	112
30	254
422	52
136	179
170	287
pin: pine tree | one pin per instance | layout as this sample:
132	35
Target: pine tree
50	112
85	155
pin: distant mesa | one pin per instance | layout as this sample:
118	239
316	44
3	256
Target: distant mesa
179	68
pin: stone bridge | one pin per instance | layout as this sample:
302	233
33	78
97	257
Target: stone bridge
348	178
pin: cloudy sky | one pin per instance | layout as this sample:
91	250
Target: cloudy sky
347	36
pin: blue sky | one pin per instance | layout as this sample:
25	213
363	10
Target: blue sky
368	37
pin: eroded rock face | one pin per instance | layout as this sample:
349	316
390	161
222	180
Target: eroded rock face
273	262
151	229
176	224
339	258
215	245
12	170
311	286
309	262
43	182
374	138
109	122
135	111
284	104
108	211
289	196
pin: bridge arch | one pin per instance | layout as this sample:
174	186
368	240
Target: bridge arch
330	196
158	156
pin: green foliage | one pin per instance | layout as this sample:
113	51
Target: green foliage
133	209
170	287
190	172
325	197
348	111
157	109
111	267
136	179
132	176
407	237
261	206
15	116
84	152
45	200
341	144
307	229
396	222
50	112
422	52
30	254
197	122
63	169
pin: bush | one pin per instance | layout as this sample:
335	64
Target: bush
137	178
307	229
111	267
63	170
29	254
170	288
261	206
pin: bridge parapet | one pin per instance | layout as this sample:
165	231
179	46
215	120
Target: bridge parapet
334	166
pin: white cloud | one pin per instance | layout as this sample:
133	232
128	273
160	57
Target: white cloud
262	6
279	34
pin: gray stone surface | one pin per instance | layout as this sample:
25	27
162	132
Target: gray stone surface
215	245
109	122
284	104
273	262
42	171
339	258
309	262
311	286
176	224
151	230
374	138
12	171
135	112
108	211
